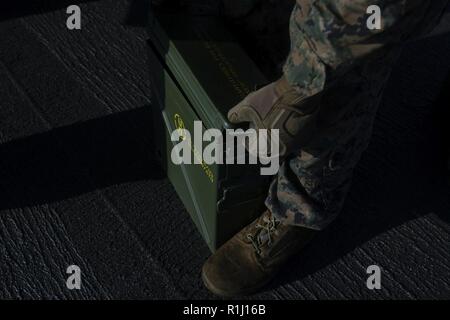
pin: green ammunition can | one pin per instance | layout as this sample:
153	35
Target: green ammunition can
199	72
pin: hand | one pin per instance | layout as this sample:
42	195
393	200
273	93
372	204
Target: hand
279	106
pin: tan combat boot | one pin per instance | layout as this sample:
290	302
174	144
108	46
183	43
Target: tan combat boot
250	259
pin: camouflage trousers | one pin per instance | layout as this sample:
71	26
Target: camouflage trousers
312	183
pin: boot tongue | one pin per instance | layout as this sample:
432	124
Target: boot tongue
266	231
263	237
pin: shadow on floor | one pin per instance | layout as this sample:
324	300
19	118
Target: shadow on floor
441	118
76	159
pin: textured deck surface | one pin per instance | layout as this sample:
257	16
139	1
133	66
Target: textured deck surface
78	183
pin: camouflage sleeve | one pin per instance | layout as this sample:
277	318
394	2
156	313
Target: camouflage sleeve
334	34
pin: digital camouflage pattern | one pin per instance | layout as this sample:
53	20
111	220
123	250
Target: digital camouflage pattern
334	53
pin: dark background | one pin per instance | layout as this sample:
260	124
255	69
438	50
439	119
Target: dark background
79	183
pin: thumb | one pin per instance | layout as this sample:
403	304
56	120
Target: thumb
240	113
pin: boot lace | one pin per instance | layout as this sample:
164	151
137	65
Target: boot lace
264	233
